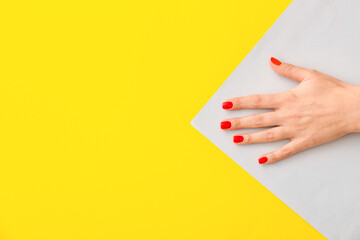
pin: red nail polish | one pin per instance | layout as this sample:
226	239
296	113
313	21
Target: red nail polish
238	139
263	160
275	61
225	125
227	105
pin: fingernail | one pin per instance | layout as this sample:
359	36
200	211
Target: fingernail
227	105
238	139
225	125
263	160
275	61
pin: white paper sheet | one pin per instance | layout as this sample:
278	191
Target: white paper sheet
321	184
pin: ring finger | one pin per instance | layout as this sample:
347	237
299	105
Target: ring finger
268	135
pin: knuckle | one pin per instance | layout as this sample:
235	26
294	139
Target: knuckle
311	73
235	123
293	115
269	136
288	67
286	152
307	143
272	157
289	97
256	100
289	114
259	121
247	138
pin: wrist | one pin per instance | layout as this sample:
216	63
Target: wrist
354	119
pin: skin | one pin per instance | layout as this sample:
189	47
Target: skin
318	110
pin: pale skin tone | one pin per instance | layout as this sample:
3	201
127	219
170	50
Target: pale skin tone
318	110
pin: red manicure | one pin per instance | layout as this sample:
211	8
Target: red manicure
238	139
225	125
263	160
227	105
275	61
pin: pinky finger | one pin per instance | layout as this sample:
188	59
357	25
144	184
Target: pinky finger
283	152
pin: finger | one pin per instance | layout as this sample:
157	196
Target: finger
288	70
268	135
283	152
254	101
252	121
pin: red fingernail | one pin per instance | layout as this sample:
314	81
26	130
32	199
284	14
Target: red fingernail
225	125
227	105
275	61
263	160
238	139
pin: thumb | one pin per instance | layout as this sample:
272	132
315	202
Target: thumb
288	70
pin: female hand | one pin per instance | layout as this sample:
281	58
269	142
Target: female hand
318	110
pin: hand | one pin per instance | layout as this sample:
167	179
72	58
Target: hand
318	110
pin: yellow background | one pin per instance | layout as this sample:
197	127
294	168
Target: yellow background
96	98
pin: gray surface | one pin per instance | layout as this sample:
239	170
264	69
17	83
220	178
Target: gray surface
320	184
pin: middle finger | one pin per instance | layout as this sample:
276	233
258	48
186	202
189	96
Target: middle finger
252	121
